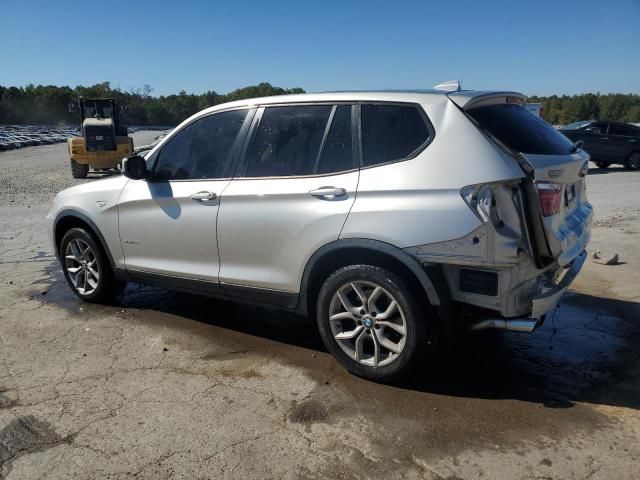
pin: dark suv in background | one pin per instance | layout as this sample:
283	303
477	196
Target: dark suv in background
607	142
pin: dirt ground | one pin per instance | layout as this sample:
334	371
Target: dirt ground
167	385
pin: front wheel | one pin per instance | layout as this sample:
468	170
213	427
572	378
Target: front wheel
86	267
603	164
371	320
633	162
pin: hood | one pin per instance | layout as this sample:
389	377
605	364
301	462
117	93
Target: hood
113	183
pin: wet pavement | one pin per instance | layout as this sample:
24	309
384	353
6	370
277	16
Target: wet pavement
170	385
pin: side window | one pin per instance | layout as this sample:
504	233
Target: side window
391	132
287	141
201	149
615	129
337	152
599	128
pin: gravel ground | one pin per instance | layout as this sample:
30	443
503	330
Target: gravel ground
166	385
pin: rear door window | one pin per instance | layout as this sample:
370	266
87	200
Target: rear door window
521	130
301	140
391	132
337	151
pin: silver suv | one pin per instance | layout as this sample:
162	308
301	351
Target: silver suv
385	215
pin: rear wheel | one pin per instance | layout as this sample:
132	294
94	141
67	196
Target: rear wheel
79	170
633	162
86	267
372	322
603	164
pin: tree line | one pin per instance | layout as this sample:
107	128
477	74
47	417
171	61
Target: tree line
561	110
50	104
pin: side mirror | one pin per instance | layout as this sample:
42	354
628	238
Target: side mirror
595	130
135	167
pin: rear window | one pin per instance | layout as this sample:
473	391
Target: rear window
521	130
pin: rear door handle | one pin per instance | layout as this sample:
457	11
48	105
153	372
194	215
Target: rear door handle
632	140
202	196
604	138
328	193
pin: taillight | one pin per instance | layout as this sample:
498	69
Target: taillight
480	199
550	197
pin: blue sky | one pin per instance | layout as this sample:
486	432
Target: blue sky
536	47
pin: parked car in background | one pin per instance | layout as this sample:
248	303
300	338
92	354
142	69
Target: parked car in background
607	142
379	214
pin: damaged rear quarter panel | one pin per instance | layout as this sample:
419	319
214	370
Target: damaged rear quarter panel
418	201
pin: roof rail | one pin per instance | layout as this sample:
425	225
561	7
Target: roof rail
449	86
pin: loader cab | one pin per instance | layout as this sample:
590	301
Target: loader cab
100	123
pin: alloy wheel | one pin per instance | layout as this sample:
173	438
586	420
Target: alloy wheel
634	161
82	266
367	323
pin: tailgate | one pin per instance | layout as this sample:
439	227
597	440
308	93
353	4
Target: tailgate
558	212
559	180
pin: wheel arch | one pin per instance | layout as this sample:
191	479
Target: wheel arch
67	219
340	253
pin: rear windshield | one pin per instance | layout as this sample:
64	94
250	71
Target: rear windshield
521	130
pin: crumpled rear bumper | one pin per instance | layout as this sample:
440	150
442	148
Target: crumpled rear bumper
550	294
544	303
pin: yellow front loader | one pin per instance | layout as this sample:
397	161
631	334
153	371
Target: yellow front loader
103	142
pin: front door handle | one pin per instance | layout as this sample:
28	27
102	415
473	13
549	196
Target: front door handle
604	138
328	193
632	140
203	196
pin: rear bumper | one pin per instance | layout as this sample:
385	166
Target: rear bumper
549	294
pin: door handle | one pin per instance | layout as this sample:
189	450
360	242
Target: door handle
604	138
632	140
202	196
328	193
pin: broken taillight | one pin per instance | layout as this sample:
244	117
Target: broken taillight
550	197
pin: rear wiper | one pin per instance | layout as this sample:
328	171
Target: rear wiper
577	146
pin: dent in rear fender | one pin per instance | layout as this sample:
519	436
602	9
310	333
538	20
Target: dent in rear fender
500	241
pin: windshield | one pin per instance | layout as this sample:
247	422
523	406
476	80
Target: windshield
521	130
575	125
98	109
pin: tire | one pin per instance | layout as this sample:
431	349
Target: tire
633	162
86	267
79	170
356	349
603	164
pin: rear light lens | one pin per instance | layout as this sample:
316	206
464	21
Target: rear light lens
480	199
550	197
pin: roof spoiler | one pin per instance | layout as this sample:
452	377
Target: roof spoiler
449	86
469	98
